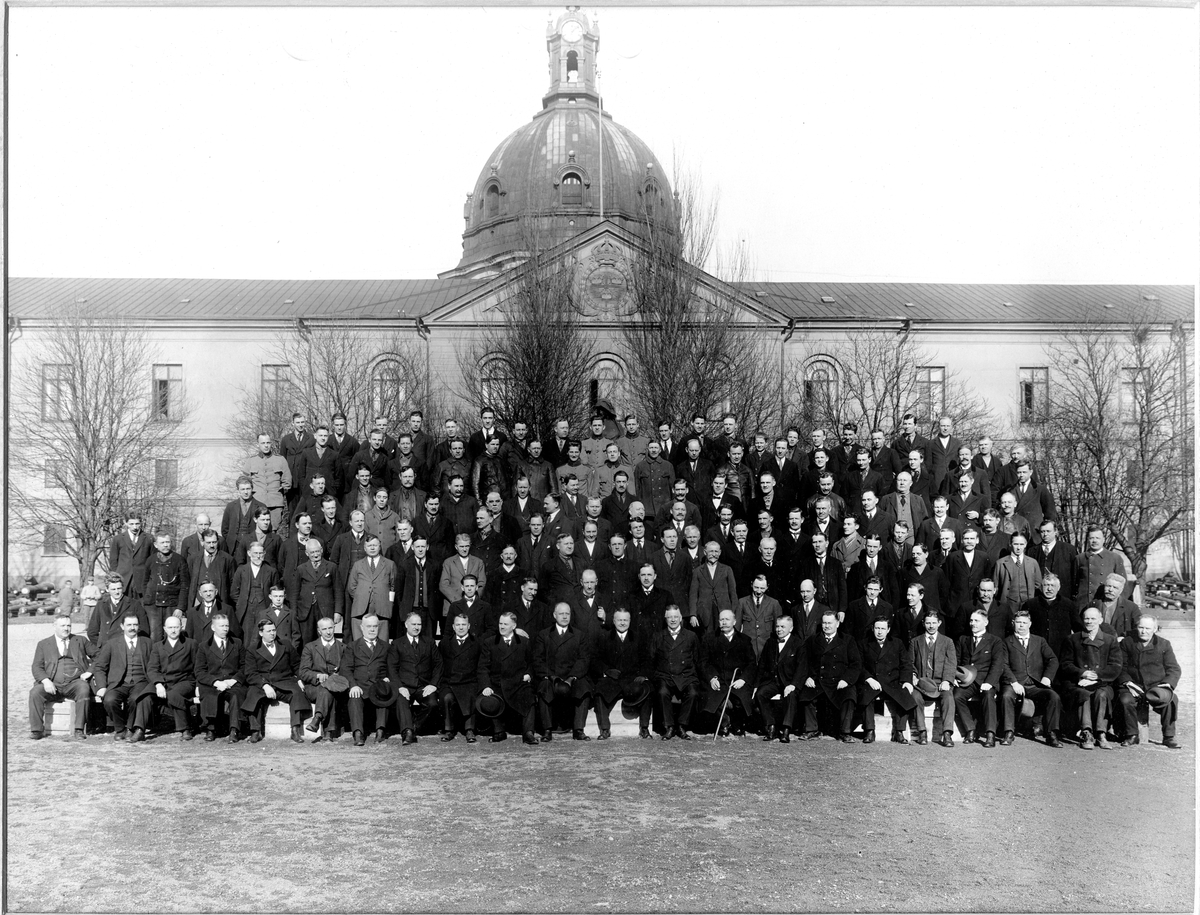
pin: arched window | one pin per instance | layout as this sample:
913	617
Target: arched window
492	201
607	382
821	390
495	382
572	67
388	388
571	190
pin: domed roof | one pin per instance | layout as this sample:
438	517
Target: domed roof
566	170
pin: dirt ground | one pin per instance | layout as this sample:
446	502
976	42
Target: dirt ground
626	825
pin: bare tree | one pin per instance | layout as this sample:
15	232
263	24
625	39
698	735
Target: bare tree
1116	446
872	377
688	344
102	433
532	364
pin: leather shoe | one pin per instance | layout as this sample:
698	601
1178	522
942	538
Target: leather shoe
530	738
234	735
770	735
785	735
407	738
470	735
119	735
899	737
969	737
1129	741
1053	741
1171	743
255	736
297	734
138	735
868	736
1087	743
1102	742
36	735
667	734
604	735
920	739
577	734
1007	739
185	735
947	739
547	736
682	734
846	738
78	734
989	740
644	733
210	736
379	738
810	735
359	740
448	736
498	737
314	724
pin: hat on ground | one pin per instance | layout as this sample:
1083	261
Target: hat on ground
633	695
966	674
336	683
928	688
490	706
382	692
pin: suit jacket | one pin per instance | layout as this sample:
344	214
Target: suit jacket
167	582
292	554
260	668
1103	655
531	620
1124	619
994	468
959	507
287	631
1028	666
676	660
777	669
886	571
271	543
891	665
479	614
828	663
46	660
213	665
105	621
346	551
111	662
939	458
881	524
414	667
930	531
720	657
128	558
758	622
647	609
700	479
1053	620
238	527
198	624
407	503
675	574
940	663
860	619
918	508
1149	664
438	532
504	585
853	483
317	659
503	667
409	577
630	657
989	657
315	591
557	580
219	571
936	584
460	667
371	589
1063	561
450	581
710	593
965	579
1035	505
1015	583
308	464
249	593
173	666
566	655
831	585
994	545
362	665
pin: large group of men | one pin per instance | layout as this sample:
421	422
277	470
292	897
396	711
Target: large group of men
498	580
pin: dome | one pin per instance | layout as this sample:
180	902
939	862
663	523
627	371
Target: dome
566	170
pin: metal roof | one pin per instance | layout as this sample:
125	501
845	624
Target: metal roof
232	300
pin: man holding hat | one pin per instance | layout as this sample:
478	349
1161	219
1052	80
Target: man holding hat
270	673
561	658
983	655
1029	670
779	667
621	670
934	669
831	668
325	685
460	667
1090	667
414	667
887	671
1150	674
366	669
506	673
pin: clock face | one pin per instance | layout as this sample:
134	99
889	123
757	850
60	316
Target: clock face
572	31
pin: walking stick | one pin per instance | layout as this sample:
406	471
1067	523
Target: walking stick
724	704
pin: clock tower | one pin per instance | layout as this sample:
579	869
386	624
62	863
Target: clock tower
572	43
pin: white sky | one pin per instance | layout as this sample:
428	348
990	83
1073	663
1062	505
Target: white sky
911	144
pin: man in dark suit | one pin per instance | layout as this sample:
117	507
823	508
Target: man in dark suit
320	458
119	676
220	661
371	588
191	544
862	614
271	673
414	667
887	671
697	470
1028	673
965	569
237	523
1054	617
210	564
874	562
620	665
166	586
1120	614
909	439
711	591
675	656
292	445
479	612
672	566
829	672
506	671
1149	674
964	503
990	464
346	446
807	611
826	575
313	592
941	452
1057	556
172	675
264	536
418	587
459	650
859	479
648	601
250	591
60	671
729	669
365	664
985	652
328	524
779	665
884	460
934	660
919	571
128	554
1090	667
107	620
321	659
561	659
1035	503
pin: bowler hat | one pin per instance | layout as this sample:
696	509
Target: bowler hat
928	687
336	683
1159	694
633	695
561	687
966	674
490	706
382	692
1028	709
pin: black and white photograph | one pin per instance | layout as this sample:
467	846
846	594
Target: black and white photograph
603	459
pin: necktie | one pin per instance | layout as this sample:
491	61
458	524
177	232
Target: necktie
207	560
220	645
508	641
62	648
132	645
758	602
976	641
371	645
903	501
461	642
413	642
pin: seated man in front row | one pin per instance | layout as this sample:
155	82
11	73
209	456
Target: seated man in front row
1029	670
832	665
625	652
460	668
321	659
729	668
934	658
271	673
414	667
172	675
985	652
778	668
60	671
561	658
119	672
1150	674
220	660
675	653
506	671
1090	667
366	669
887	671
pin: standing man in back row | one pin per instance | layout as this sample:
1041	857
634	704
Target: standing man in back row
271	479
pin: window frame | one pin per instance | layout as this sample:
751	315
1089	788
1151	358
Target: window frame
60	400
1033	394
931	380
168	409
54	539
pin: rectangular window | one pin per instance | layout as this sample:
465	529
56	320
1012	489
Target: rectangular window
54	540
273	392
56	388
166	474
167	393
931	392
1034	394
50	477
1132	382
